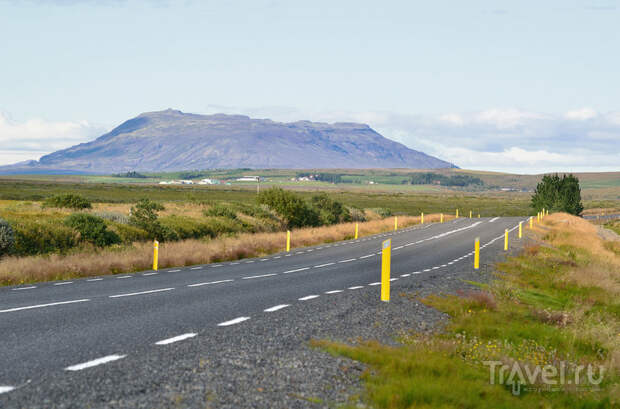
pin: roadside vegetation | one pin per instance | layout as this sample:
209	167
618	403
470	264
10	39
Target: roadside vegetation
555	305
68	236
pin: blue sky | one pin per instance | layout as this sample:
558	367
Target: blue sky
518	86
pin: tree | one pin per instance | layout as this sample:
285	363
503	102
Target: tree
330	211
144	215
292	208
558	194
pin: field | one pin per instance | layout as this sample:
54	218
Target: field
554	310
201	216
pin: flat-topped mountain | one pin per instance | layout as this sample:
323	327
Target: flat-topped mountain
171	140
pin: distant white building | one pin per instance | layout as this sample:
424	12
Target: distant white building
209	182
187	182
249	179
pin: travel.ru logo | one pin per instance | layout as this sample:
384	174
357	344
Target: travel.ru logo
549	378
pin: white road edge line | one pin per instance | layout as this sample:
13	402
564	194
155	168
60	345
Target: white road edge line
308	297
277	307
5	389
347	261
233	322
210	282
63	283
44	305
176	339
357	287
25	288
141	292
95	279
149	274
333	291
377	283
324	265
95	362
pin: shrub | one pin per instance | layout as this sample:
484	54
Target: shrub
92	229
69	201
7	237
37	237
129	234
330	211
221	210
144	215
558	194
357	215
292	208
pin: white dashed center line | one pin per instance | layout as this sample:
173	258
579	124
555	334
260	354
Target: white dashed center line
196	268
95	362
277	307
296	270
347	261
368	255
324	265
377	283
308	297
210	282
259	276
176	339
174	271
124	277
95	279
5	389
233	322
142	292
333	291
30	307
357	287
24	288
66	282
149	274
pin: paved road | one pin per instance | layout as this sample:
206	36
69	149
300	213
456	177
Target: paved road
50	329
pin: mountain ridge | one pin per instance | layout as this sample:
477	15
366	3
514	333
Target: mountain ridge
172	140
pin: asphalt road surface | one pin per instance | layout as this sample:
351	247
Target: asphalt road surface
51	329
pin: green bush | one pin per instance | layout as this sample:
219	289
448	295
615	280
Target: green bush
129	234
357	215
92	229
291	207
558	194
330	211
69	201
144	216
189	228
221	210
38	237
7	237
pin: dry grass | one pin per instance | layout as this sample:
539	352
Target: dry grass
138	257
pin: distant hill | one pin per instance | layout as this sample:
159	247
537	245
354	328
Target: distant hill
171	140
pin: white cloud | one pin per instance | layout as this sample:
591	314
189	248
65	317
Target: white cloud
581	114
34	138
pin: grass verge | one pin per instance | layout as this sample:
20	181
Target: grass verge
139	256
554	309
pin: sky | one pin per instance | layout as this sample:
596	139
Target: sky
522	86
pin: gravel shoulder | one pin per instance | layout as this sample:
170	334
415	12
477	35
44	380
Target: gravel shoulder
264	363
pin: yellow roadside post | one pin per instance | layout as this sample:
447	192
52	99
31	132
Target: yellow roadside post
531	222
470	214
356	230
506	240
457	213
288	241
395	223
538	217
477	253
422	218
478	215
155	255
386	250
441	220
520	229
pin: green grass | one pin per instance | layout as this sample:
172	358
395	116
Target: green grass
520	317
